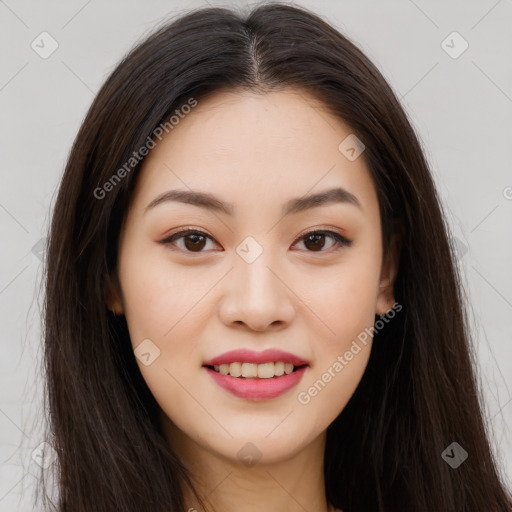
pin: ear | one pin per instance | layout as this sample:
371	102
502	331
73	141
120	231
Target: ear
114	301
386	299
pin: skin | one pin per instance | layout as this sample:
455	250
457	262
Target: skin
257	152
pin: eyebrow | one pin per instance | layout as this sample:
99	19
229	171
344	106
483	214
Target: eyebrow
293	206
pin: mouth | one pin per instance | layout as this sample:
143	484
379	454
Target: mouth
256	381
254	375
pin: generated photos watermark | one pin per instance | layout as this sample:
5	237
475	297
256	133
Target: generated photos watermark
304	397
138	156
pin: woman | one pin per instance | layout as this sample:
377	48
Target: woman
251	300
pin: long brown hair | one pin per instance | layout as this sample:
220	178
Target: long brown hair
418	394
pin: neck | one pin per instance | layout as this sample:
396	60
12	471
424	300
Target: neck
295	484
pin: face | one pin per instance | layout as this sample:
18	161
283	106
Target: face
253	267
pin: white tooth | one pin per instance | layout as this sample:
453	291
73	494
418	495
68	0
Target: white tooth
252	370
266	370
235	369
249	370
288	368
279	368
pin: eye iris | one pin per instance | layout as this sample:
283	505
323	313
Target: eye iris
197	241
315	237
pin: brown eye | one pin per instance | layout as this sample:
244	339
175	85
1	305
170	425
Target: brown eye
314	241
193	240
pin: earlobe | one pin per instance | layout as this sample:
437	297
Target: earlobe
114	302
385	301
386	298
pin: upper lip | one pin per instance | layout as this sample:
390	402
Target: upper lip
249	356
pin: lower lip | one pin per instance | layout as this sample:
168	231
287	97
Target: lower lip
257	389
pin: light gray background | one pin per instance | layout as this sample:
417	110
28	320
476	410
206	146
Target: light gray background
461	108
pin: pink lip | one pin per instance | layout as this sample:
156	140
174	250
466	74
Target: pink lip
248	356
256	389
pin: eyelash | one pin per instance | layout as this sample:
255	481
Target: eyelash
340	240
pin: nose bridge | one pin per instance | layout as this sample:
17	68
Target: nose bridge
257	296
255	278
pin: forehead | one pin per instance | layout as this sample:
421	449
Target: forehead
239	123
237	144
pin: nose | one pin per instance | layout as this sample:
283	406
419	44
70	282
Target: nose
258	296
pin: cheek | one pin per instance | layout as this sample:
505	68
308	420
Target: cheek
161	305
344	298
159	298
340	356
346	305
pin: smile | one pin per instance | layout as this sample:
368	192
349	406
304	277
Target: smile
256	376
